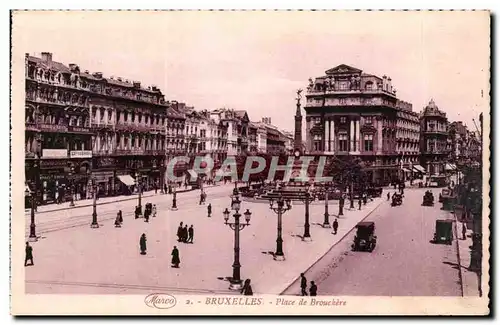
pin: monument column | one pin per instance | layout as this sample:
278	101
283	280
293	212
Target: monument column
298	125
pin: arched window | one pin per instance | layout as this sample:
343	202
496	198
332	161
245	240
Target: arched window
369	85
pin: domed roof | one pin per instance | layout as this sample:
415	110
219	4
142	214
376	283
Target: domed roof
432	106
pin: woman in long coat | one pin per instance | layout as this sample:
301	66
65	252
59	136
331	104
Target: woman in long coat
175	257
247	288
142	244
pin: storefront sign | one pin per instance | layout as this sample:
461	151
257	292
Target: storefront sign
106	162
80	153
53	128
102	176
49	177
54	153
78	129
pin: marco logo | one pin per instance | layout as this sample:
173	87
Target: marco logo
160	301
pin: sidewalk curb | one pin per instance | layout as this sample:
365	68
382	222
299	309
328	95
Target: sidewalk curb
330	249
110	202
459	261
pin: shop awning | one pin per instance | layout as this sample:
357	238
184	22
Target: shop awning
419	168
405	170
126	179
449	167
192	173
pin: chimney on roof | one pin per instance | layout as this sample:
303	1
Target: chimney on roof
98	75
119	79
87	71
47	56
389	84
74	68
137	84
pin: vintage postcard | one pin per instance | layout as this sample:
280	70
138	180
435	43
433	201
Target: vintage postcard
250	162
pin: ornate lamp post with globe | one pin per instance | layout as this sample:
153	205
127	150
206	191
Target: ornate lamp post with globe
235	281
282	206
139	189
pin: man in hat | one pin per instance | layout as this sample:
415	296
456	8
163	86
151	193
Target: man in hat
28	255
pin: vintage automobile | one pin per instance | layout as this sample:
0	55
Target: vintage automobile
397	199
365	239
428	199
444	232
374	191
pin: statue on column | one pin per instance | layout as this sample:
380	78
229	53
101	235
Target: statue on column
299	96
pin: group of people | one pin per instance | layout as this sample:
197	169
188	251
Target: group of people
143	248
313	289
185	234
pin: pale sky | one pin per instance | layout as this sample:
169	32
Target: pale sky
257	60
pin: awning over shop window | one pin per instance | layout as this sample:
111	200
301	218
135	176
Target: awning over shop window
126	179
192	173
405	170
419	168
449	167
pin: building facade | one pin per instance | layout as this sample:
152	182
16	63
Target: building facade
408	140
236	124
352	113
434	147
83	128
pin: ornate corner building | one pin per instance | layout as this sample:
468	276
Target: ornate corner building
352	113
434	146
82	127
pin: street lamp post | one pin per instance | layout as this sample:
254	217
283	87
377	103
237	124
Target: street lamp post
326	222
71	187
235	281
94	223
174	199
139	189
307	199
235	189
162	177
32	195
280	208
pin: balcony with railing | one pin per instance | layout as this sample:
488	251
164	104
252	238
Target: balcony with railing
74	101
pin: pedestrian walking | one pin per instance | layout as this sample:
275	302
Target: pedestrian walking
388	196
190	234
175	257
154	210
142	244
120	215
179	232
303	284
313	290
464	230
156	189
117	221
185	234
335	226
29	255
137	212
247	288
209	210
146	215
359	202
